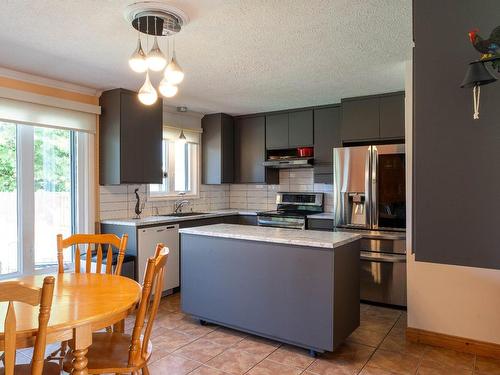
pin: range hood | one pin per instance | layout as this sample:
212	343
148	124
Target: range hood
289	163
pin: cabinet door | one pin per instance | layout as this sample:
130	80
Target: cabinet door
360	119
250	150
151	124
300	129
392	116
327	125
277	131
211	149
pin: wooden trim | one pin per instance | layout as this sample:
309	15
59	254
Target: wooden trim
460	344
48	91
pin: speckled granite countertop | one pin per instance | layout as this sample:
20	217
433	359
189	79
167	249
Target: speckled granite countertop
163	219
309	238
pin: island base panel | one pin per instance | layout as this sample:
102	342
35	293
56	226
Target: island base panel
305	296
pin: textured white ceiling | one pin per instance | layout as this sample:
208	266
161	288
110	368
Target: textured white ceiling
239	56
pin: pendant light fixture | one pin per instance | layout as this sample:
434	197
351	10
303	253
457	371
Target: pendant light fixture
182	137
147	93
167	21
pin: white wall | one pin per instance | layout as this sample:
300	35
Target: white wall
454	300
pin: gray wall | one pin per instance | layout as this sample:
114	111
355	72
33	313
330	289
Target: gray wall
456	159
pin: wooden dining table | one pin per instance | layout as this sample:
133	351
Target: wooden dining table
83	303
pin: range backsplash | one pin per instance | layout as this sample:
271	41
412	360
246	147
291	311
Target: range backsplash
119	201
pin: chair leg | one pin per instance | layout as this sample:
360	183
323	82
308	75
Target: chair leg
145	370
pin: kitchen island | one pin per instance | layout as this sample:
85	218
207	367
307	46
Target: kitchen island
294	286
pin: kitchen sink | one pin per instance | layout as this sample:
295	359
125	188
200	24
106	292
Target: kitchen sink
182	214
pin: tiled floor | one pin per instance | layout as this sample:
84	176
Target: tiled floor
377	347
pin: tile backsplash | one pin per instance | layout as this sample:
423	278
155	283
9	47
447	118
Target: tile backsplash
119	201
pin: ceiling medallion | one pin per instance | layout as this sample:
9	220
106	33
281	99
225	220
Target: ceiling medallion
160	22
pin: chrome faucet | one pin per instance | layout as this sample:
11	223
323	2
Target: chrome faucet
179	204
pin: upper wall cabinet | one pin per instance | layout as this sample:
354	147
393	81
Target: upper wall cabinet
217	149
373	118
250	152
327	123
130	139
289	130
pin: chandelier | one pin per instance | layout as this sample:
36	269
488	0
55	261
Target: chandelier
158	22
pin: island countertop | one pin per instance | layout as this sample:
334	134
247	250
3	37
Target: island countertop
309	238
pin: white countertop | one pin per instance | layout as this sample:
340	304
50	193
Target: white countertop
163	219
309	238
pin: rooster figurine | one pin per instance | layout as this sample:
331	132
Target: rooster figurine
490	47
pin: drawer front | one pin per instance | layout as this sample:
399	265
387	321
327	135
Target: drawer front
383	245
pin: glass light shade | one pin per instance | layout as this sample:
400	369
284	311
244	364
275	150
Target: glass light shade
173	72
182	138
147	93
156	59
137	61
167	89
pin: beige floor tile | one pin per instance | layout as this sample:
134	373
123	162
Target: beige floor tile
194	328
169	320
205	370
366	336
256	345
487	366
348	359
171	340
173	365
370	370
200	350
401	363
225	337
396	341
268	367
445	358
292	356
235	361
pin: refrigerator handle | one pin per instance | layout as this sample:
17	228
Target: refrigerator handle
368	211
374	182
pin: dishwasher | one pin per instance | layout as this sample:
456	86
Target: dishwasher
148	238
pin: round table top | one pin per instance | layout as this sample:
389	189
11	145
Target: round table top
79	299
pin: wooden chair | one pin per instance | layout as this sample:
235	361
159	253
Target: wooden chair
79	241
17	291
89	245
115	352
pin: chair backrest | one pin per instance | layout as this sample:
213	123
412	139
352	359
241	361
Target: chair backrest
17	291
148	307
83	245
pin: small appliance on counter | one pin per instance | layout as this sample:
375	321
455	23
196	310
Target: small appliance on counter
292	210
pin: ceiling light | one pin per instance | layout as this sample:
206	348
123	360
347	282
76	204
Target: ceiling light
137	61
147	93
167	89
167	21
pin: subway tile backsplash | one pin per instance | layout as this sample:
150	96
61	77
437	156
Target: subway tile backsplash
119	201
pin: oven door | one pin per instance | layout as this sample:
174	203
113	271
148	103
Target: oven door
383	278
281	222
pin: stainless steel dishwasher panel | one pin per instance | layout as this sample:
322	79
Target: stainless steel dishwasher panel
383	278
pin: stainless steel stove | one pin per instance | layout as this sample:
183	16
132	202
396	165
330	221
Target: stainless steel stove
292	210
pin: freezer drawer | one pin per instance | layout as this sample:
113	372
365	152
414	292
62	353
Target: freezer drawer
383	278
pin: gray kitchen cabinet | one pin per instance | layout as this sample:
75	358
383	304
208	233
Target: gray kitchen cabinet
277	131
392	116
130	139
289	130
250	152
217	149
327	124
373	118
360	119
300	129
320	224
455	158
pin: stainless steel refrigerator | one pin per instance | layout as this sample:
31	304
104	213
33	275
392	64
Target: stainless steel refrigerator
369	186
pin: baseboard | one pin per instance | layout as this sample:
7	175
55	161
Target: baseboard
459	344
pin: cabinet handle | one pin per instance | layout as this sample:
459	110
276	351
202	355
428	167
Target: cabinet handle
171	227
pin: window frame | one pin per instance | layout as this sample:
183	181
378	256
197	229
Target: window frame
195	175
83	210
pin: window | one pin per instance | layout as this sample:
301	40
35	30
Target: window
180	170
38	195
